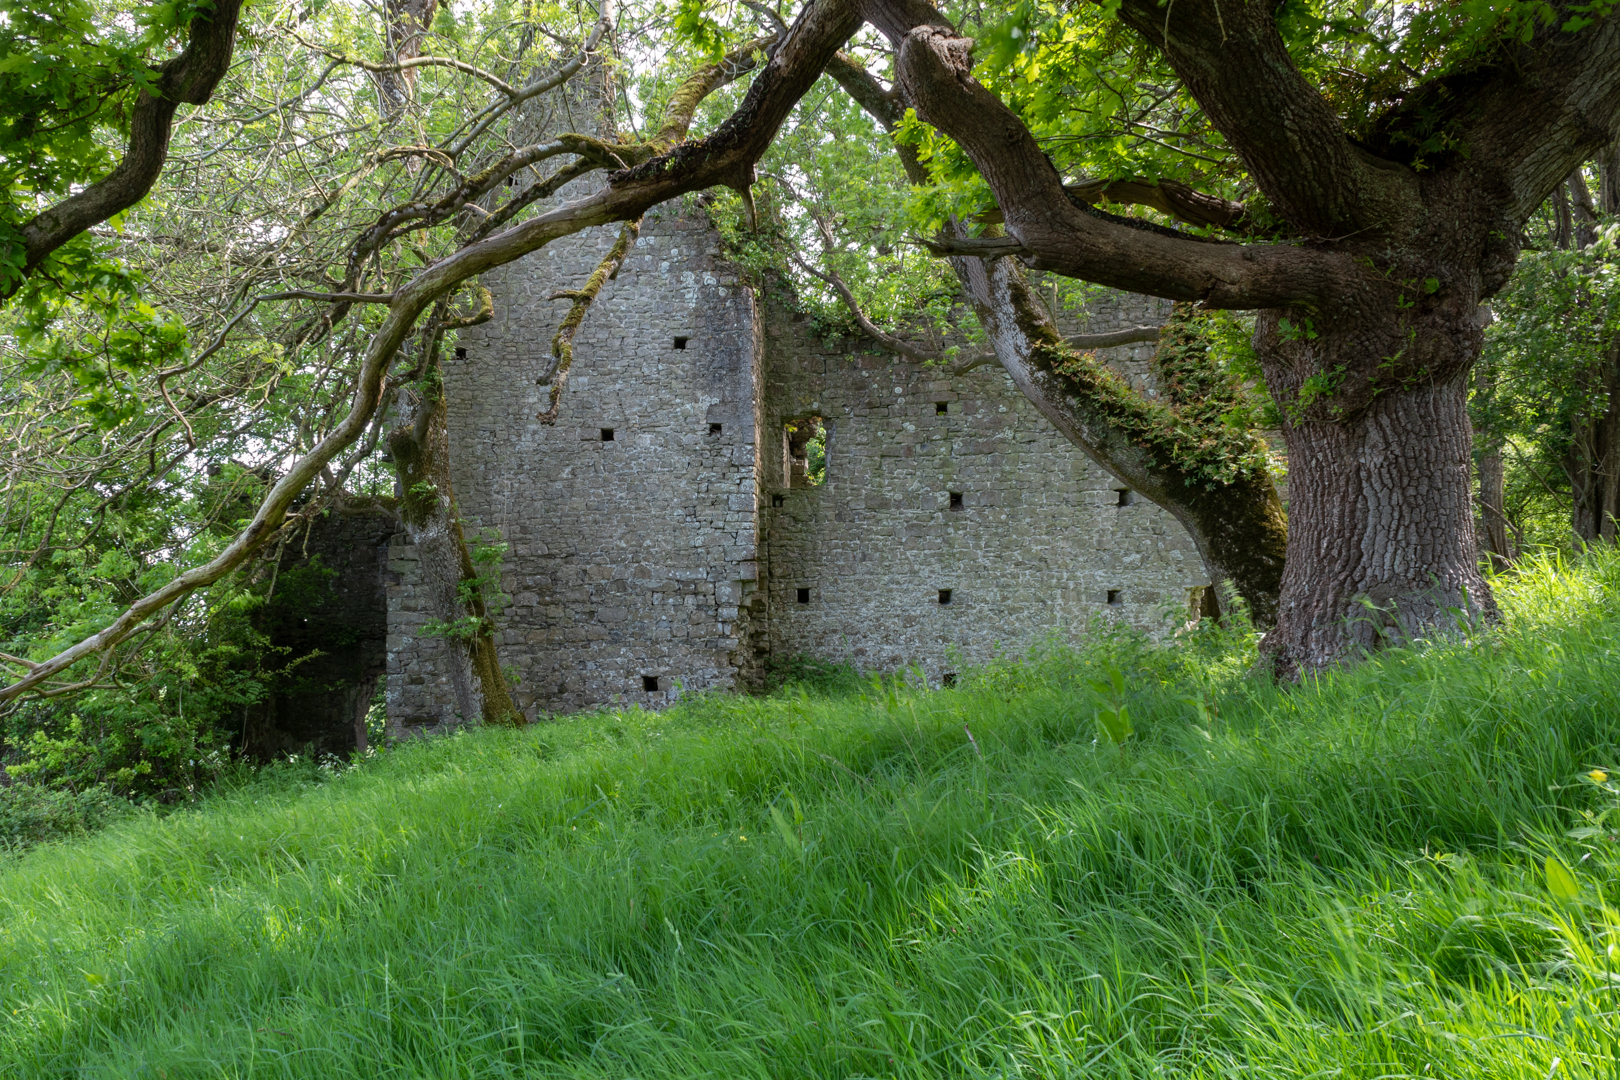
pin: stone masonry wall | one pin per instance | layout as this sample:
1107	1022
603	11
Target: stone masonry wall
629	557
673	555
1039	544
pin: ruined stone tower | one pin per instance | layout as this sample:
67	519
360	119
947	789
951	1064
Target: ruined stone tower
662	540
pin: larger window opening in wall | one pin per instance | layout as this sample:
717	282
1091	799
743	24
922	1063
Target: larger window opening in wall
806	440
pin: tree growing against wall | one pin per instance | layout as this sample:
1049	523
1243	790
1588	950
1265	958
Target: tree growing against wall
1193	446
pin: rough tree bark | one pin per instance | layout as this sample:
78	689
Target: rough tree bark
407	25
1367	329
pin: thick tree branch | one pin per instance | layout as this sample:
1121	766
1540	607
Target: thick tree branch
187	79
1233	61
684	102
934	71
1180	452
815	37
1213	479
1525	122
1166	196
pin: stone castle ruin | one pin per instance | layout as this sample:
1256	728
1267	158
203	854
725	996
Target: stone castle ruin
665	534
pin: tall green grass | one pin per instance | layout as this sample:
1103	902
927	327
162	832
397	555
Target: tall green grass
1344	879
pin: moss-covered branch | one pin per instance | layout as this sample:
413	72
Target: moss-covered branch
562	343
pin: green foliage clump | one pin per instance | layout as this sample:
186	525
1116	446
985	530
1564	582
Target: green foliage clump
1554	329
31	814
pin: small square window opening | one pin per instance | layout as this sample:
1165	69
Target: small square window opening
941	408
1126	496
803	595
680	342
948	679
944	596
607	434
1114	598
461	353
778	500
714	429
956	500
649	683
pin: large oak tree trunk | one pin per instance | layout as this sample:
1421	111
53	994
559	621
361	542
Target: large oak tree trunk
1381	541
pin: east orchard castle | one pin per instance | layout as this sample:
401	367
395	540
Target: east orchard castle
665	534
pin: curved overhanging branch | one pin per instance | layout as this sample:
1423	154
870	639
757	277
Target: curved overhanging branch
1212	478
1179	451
409	302
1235	64
689	95
188	79
793	67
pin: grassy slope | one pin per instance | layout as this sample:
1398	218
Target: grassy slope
1339	880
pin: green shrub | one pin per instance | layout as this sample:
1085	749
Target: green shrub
30	814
